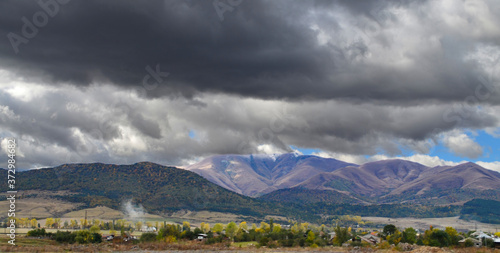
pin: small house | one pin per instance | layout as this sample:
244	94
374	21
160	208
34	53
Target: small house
331	235
371	239
497	242
480	235
201	237
477	243
108	237
148	229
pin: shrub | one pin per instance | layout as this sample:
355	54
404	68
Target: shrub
37	232
468	242
96	238
384	245
83	236
65	237
490	243
264	241
170	239
148	237
356	243
272	245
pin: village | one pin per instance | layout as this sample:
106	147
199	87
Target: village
346	234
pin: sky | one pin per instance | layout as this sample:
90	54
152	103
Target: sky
173	81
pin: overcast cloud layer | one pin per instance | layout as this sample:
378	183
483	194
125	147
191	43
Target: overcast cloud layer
173	81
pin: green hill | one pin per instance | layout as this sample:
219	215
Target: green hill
300	195
482	210
158	188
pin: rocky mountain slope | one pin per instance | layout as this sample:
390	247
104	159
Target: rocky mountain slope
387	181
400	180
254	175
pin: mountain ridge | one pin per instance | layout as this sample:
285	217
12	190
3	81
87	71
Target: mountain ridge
254	175
384	181
164	190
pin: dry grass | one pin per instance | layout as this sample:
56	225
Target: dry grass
207	216
44	245
100	212
39	207
105	213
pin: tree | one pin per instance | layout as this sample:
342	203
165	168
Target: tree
277	228
254	226
409	236
322	227
138	225
171	231
231	229
57	222
439	238
73	223
341	235
265	227
243	225
83	236
33	223
389	229
95	229
488	242
83	223
186	226
304	226
218	228
49	222
453	235
468	242
25	222
205	227
310	237
148	237
395	238
120	223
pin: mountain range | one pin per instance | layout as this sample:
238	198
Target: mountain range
387	181
289	185
160	189
255	175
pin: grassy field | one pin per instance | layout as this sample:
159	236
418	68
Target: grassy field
207	216
38	207
22	241
244	244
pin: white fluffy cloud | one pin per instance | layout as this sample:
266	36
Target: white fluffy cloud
429	161
462	145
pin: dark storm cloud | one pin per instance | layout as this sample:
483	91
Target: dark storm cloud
346	77
263	49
